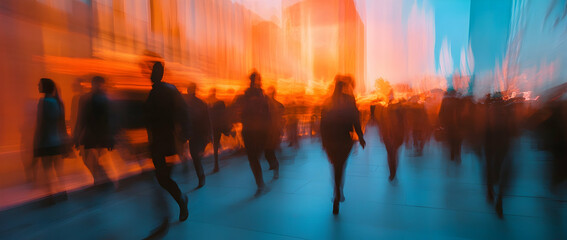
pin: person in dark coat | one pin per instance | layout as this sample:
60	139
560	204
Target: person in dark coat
200	133
51	134
254	111
339	116
392	132
165	109
94	129
500	127
417	124
450	118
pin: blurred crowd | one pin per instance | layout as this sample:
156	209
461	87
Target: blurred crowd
164	122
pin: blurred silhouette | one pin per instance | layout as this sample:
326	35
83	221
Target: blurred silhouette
339	116
50	140
549	125
166	109
554	135
450	119
275	131
200	133
474	125
392	132
78	92
220	123
130	108
254	112
500	127
417	124
95	129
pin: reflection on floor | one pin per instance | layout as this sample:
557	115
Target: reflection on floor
431	199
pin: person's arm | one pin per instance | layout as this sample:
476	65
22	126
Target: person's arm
357	126
38	121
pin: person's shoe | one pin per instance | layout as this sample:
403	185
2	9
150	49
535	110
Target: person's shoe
276	173
499	209
216	169
260	191
184	211
391	178
201	183
160	231
336	203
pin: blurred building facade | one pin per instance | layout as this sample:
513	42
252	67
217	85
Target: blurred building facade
214	43
327	37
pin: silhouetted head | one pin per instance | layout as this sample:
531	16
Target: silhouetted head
191	89
157	72
97	83
339	85
349	85
255	80
213	92
46	85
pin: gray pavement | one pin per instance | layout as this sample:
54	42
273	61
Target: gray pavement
432	198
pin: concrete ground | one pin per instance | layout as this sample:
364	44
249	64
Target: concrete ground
432	198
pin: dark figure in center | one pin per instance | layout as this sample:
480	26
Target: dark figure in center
339	117
220	123
392	132
450	117
200	133
95	129
165	109
254	109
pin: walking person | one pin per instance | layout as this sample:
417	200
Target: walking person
450	118
50	139
165	109
200	132
500	128
339	117
254	111
220	124
392	132
94	129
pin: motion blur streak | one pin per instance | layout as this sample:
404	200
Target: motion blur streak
478	75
